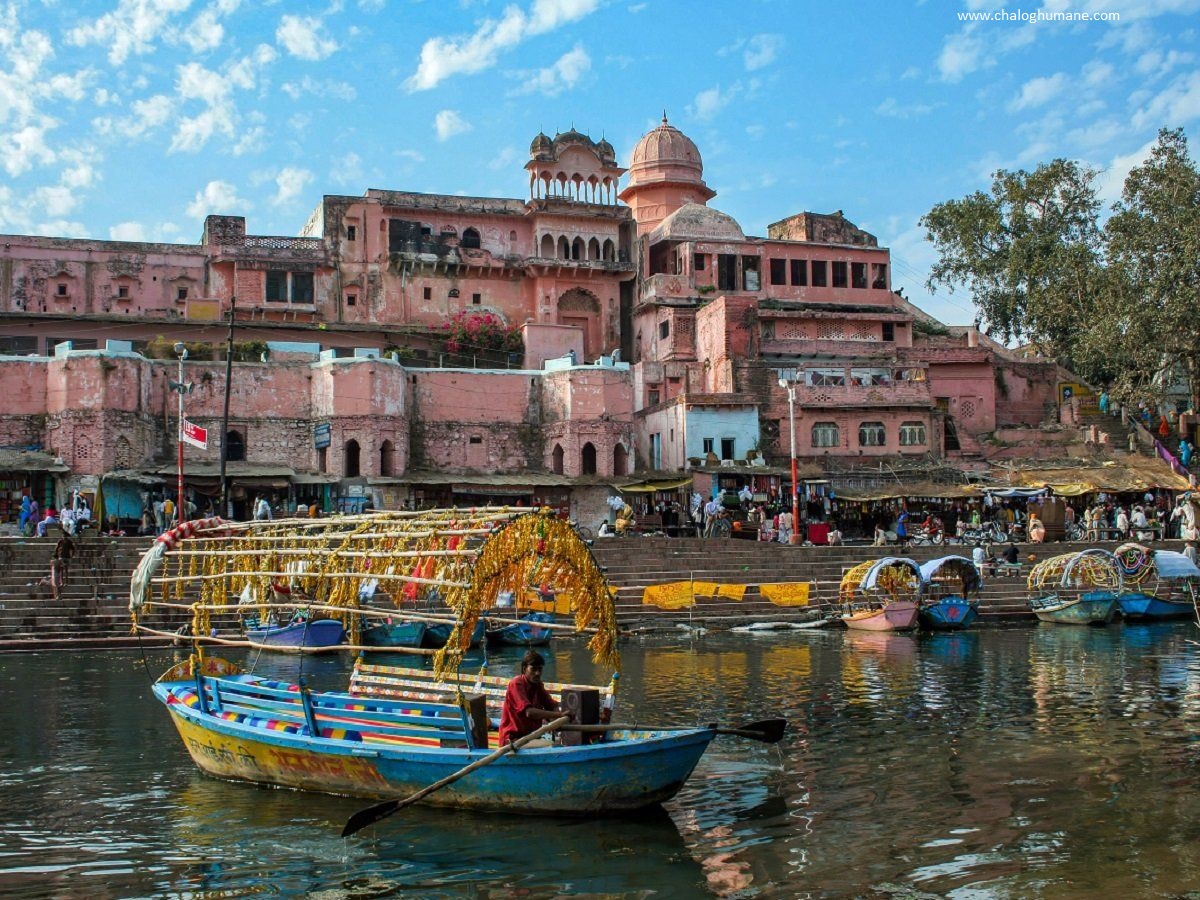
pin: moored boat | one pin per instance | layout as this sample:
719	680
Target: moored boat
1076	588
525	633
881	595
946	587
1156	584
394	634
314	636
438	633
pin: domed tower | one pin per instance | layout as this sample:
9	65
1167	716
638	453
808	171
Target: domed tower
572	168
665	173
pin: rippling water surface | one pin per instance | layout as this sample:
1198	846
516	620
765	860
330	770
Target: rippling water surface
1047	761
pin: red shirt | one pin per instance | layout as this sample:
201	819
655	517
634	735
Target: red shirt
522	694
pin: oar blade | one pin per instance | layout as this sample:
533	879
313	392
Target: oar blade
369	816
768	731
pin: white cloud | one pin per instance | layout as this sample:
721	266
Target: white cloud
1097	73
1155	63
448	123
214	91
1176	104
507	156
1112	177
710	102
290	183
1038	92
761	50
204	33
895	110
304	38
562	75
132	28
25	148
910	73
443	58
962	54
128	231
338	90
217	198
371	5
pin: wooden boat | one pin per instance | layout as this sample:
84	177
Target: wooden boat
1090	608
438	633
525	633
316	636
253	729
389	740
1156	584
881	595
394	634
946	586
1076	588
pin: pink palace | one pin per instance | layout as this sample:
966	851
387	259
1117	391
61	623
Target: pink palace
656	334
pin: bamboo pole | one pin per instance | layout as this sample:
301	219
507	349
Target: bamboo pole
337	554
286	648
379	576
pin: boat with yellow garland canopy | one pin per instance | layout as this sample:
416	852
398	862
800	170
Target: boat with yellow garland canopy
384	742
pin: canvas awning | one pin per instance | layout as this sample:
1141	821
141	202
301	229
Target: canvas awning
903	490
314	478
648	487
1112	476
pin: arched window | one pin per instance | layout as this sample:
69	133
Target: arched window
235	446
610	250
871	434
470	239
912	434
351	469
593	249
564	248
577	248
620	460
556	462
387	455
547	249
588	459
825	434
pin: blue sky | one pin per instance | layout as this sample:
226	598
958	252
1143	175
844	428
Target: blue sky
133	119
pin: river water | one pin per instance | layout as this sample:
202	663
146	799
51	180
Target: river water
1042	761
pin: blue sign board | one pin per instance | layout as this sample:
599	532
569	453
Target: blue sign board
321	436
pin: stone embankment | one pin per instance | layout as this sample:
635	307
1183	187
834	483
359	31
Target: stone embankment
92	610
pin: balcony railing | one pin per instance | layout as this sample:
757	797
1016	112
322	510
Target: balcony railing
898	393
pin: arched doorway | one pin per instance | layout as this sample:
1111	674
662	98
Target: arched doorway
582	309
620	460
556	460
351	467
587	459
387	453
235	446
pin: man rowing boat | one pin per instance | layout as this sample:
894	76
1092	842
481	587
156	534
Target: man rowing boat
527	703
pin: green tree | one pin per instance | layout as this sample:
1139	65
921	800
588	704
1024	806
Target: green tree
1028	252
1153	306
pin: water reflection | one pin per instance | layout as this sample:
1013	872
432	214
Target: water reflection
1040	761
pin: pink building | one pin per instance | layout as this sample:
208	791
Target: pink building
655	335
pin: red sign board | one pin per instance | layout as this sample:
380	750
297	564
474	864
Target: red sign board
195	435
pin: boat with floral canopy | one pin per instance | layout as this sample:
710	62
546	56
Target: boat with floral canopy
391	737
1156	584
1078	588
881	594
946	587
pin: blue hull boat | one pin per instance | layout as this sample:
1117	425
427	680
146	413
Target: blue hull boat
525	633
1146	607
252	729
436	635
1091	608
394	634
299	637
948	614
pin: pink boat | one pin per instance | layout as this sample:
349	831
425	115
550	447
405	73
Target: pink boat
896	615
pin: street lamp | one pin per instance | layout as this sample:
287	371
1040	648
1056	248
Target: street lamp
182	388
790	387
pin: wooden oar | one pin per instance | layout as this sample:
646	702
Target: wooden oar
380	811
769	731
